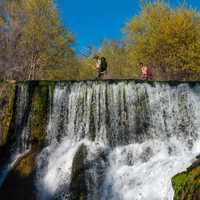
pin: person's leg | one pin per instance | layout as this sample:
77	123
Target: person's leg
102	74
98	74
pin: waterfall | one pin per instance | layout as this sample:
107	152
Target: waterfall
20	139
115	140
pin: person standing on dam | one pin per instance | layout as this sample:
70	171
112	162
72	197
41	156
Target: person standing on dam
146	72
101	66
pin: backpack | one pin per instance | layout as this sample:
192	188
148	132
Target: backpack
104	64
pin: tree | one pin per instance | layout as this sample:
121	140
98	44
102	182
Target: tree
37	43
166	39
116	56
87	63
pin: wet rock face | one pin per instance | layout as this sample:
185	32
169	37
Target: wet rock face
96	172
1	135
7	106
78	187
39	110
7	103
88	173
3	103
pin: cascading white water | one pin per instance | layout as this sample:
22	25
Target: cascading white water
21	140
137	136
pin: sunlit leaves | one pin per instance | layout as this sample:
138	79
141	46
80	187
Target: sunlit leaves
37	41
165	38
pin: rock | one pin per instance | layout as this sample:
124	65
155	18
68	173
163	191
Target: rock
39	109
3	103
194	165
78	188
88	174
186	185
7	104
11	81
198	157
19	184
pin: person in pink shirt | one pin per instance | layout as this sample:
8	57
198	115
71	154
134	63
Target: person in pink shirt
146	72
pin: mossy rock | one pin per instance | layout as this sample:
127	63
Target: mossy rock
7	99
25	165
19	184
39	110
186	185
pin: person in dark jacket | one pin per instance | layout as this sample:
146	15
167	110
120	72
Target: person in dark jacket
101	66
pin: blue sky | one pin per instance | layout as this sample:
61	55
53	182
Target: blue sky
93	21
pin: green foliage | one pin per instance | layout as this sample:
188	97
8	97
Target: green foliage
166	39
